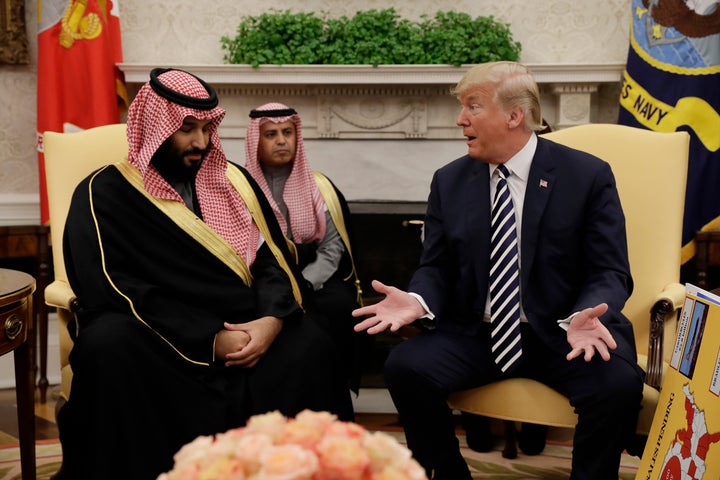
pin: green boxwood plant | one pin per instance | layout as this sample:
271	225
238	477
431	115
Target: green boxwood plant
371	37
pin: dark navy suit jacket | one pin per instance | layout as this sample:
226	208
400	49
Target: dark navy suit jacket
573	245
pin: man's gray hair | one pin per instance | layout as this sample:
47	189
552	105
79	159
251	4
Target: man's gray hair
514	86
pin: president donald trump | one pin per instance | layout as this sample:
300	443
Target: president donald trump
524	273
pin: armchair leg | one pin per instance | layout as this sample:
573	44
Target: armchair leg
510	450
477	432
532	438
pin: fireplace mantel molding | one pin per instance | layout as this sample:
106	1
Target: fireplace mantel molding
224	74
384	102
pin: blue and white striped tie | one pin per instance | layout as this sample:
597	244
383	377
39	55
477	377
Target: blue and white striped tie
504	279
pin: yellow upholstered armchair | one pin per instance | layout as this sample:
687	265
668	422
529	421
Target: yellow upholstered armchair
69	158
651	171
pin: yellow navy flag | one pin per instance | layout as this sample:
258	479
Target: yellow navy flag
672	82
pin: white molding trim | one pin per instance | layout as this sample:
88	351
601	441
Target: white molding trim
225	74
383	102
19	209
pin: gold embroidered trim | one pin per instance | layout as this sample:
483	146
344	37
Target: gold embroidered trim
107	276
191	224
241	184
333	203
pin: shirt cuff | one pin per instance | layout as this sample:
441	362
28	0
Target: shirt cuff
428	314
565	322
426	321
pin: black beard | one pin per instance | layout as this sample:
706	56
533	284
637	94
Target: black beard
171	166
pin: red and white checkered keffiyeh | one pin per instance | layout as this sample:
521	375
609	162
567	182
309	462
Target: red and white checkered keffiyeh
152	119
306	207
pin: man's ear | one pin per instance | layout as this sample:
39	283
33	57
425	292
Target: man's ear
516	118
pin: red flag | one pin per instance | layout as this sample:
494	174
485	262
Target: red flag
79	85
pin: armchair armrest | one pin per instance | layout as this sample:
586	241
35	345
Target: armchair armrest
669	300
59	294
674	293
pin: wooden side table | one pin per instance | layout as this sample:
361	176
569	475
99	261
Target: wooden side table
32	242
16	335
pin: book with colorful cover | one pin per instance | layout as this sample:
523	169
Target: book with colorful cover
684	441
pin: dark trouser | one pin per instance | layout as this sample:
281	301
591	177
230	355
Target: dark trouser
421	371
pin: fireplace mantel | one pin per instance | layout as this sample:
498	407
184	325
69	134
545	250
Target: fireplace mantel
387	101
380	132
223	74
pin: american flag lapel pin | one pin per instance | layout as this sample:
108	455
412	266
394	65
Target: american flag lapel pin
543	184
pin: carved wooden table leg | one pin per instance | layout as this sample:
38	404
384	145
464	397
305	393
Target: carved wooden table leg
17	335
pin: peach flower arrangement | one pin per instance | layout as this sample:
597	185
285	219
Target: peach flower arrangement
311	446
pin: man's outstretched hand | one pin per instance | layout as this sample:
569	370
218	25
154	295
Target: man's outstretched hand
586	334
396	310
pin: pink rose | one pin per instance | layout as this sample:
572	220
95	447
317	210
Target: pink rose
346	429
225	443
250	448
306	435
341	458
287	462
194	451
270	424
321	420
384	450
224	468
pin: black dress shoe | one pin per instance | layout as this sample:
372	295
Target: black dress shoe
532	438
477	432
